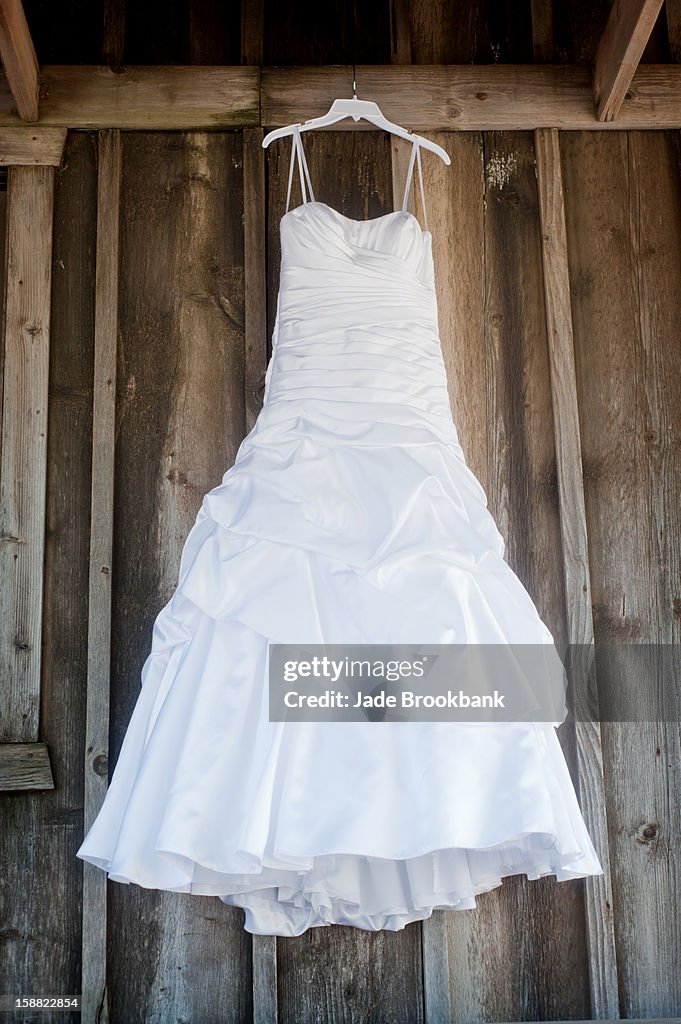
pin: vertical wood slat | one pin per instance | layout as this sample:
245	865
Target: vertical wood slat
94	992
255	277
672	11
24	446
265	979
598	889
113	32
264	947
252	28
542	30
400	32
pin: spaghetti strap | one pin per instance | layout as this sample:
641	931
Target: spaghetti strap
415	156
303	170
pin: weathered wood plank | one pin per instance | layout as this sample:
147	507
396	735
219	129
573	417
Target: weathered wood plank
24	447
468	98
31	146
41	831
252	31
400	32
542	30
623	213
492	326
25	766
672	14
427	97
19	59
255	284
610	1020
180	420
95	998
167	98
598	889
113	32
265	979
619	51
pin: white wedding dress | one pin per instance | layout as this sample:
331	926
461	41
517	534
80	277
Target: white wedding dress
349	516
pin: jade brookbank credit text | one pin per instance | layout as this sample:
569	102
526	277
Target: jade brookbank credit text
406	699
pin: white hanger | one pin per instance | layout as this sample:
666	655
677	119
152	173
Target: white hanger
356	109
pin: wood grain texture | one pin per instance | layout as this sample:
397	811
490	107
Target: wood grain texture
672	17
542	30
252	31
598	889
31	146
619	51
19	59
265	1002
467	98
169	98
113	32
25	766
40	833
623	208
487	251
24	447
255	284
180	420
427	98
400	32
94	993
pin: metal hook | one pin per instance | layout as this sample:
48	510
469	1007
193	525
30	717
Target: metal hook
354	82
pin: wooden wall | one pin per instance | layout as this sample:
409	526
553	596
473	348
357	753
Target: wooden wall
186	389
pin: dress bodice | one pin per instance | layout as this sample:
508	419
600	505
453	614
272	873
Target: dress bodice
356	348
314	234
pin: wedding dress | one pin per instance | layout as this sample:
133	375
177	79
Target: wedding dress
349	516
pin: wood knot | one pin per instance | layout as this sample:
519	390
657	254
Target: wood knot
647	833
100	765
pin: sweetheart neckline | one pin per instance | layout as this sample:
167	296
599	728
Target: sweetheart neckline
368	220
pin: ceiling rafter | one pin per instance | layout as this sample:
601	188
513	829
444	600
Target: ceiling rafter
19	59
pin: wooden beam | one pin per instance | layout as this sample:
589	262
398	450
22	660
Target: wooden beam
25	766
163	98
598	888
101	543
619	51
426	97
468	98
23	470
19	59
32	146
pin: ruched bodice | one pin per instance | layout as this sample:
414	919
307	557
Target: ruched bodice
356	320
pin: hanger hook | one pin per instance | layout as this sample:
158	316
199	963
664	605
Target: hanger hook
354	81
